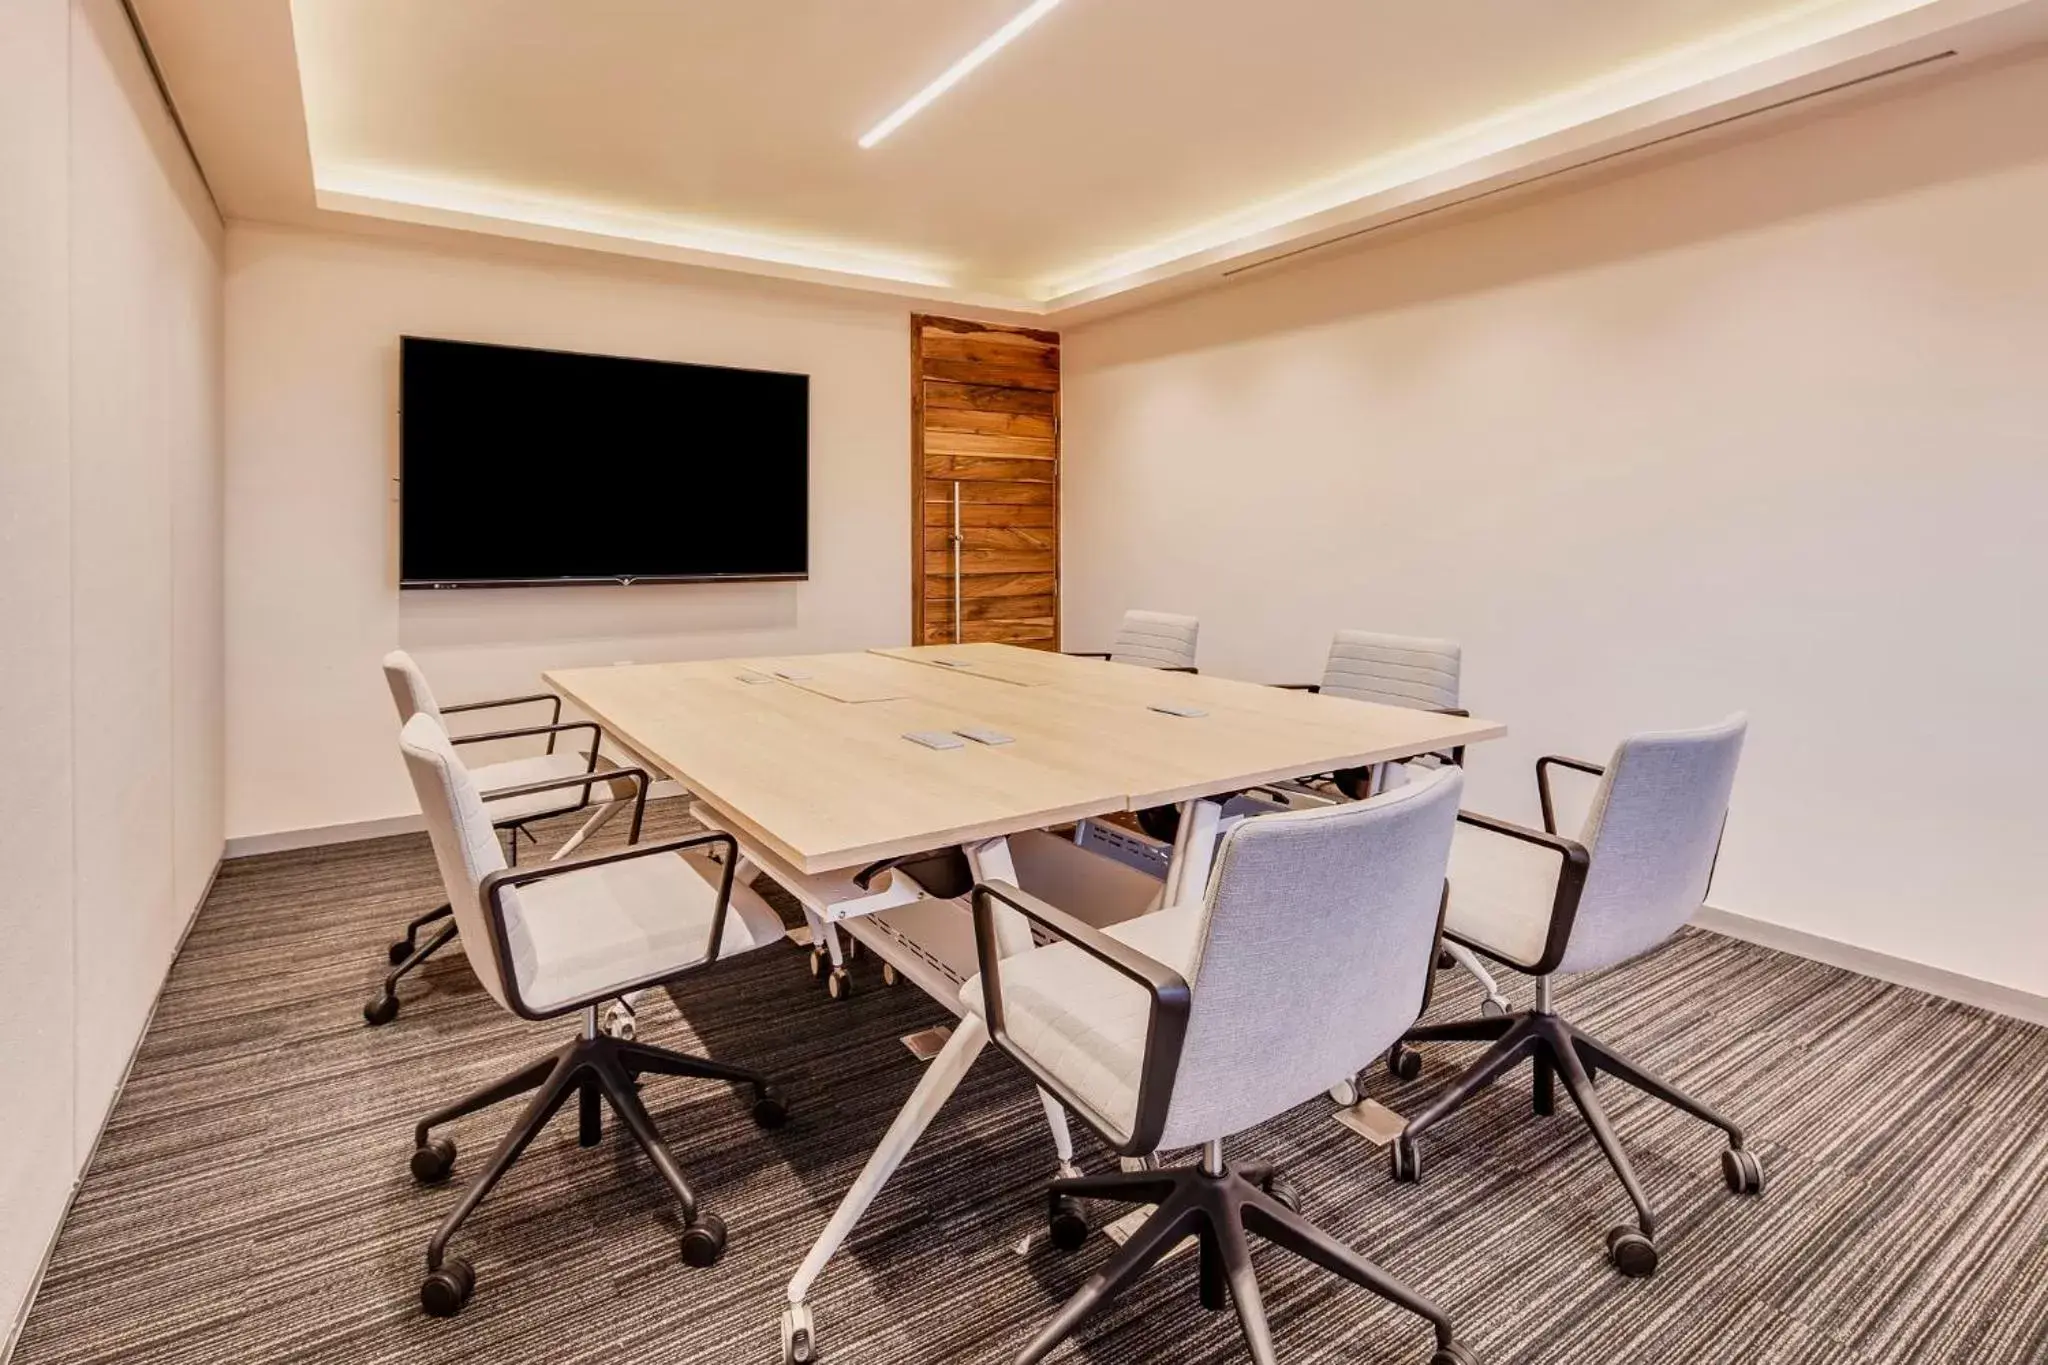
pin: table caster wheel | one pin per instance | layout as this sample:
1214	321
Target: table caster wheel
447	1289
1453	1354
838	984
399	951
1344	1094
1404	1062
1066	1222
770	1110
889	974
619	1023
704	1241
432	1162
819	960
799	1337
1633	1254
1281	1191
1743	1172
1492	1008
381	1011
1404	1161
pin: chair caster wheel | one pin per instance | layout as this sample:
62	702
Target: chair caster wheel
1454	1354
447	1289
1444	961
1633	1254
1743	1172
1404	1062
770	1110
799	1337
1066	1222
889	974
381	1011
399	951
1282	1192
432	1162
1404	1162
619	1022
838	984
1492	1008
818	961
1344	1094
704	1241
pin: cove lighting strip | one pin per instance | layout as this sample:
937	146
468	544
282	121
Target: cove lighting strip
954	74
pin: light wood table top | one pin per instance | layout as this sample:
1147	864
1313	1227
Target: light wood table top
812	761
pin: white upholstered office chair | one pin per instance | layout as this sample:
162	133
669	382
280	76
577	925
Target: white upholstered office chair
1152	639
563	937
1309	954
507	793
1545	904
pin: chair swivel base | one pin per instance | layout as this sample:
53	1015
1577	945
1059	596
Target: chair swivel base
405	957
1217	1209
1560	1052
596	1070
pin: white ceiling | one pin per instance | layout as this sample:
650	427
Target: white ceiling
1115	147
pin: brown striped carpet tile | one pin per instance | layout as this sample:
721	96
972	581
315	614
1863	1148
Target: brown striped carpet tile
250	1201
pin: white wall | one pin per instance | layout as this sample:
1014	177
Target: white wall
110	562
313	324
1764	427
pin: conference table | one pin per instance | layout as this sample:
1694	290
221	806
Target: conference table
821	768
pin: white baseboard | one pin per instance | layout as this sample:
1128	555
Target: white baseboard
1968	990
284	840
35	1283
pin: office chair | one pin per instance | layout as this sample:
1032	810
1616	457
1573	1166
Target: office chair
505	785
1544	904
1308	954
1151	639
562	937
1422	674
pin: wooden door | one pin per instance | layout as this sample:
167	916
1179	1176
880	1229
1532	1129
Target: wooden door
985	483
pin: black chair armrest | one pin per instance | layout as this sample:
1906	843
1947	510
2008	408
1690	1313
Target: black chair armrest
1298	687
1165	1029
1178	668
551	730
527	700
1085	653
585	780
495	886
1543	767
943	873
1564	903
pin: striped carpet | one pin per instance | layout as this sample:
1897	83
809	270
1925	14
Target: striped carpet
250	1201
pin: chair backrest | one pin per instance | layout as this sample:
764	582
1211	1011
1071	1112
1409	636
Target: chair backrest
1398	670
1155	639
409	687
465	845
1650	837
1318	938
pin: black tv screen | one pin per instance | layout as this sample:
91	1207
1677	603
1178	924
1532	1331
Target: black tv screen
524	467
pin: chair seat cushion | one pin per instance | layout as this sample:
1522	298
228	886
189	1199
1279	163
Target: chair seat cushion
621	924
1084	1022
519	772
1502	890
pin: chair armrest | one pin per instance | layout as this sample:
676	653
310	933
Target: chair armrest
1571	883
495	885
1543	767
527	700
1085	653
557	728
1165	1029
943	873
1298	687
585	780
1178	668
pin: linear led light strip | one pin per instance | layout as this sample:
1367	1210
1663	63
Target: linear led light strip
954	74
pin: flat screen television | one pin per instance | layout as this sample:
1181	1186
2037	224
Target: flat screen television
520	468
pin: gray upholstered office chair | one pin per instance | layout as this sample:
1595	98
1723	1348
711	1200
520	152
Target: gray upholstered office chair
1544	904
563	937
1309	954
507	791
1151	639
